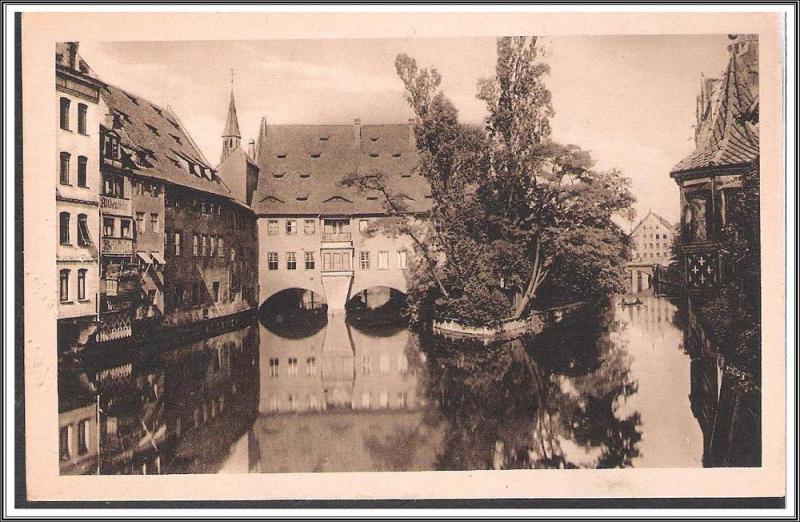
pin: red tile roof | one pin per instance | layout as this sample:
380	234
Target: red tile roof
725	140
302	166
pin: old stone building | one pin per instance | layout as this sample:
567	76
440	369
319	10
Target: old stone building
651	240
314	233
726	144
197	256
77	183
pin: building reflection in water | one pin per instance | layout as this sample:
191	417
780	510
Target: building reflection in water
343	399
149	411
613	386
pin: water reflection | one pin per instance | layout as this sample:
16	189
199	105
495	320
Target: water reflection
613	386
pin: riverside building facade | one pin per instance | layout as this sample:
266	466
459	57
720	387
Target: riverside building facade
320	236
150	236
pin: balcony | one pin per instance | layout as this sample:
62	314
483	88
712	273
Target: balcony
110	303
118	206
122	246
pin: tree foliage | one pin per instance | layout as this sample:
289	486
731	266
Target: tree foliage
516	219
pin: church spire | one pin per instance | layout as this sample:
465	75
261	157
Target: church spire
231	135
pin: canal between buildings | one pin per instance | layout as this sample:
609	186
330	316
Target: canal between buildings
614	386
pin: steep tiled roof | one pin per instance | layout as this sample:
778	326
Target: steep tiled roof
171	156
724	139
301	167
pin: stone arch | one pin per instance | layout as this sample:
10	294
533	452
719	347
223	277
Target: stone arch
318	293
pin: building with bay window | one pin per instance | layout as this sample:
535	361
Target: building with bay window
726	145
322	237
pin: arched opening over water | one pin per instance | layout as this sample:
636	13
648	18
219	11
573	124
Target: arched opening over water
377	311
294	313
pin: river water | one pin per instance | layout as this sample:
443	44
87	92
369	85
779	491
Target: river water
613	386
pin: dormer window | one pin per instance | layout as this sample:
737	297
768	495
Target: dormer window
373	154
156	109
176	138
173	124
131	98
305	175
315	155
405	174
278	174
281	155
372	198
152	129
373	138
302	198
110	147
324	138
397	154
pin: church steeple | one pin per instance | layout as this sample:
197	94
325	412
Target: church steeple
231	137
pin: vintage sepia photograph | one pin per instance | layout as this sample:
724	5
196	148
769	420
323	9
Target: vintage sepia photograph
526	250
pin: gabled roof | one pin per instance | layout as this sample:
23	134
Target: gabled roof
171	154
660	219
724	139
302	166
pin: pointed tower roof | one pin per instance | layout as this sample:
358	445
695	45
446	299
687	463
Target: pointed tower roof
724	139
261	141
232	125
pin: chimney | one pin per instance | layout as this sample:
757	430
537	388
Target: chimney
357	131
72	54
251	148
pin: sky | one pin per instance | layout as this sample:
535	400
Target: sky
629	100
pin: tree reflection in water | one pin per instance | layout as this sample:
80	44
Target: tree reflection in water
546	401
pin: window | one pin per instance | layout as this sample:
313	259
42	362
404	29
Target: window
366	365
310	261
82	171
63	228
293	402
82	118
82	284
312	402
366	400
154	227
212	246
402	363
272	227
204	246
383	399
63	169
84	239
195	245
384	363
82	443
114	186
273	367
215	290
363	260
309	227
402	399
64	113
383	260
110	146
291	227
196	293
220	247
63	439
177	244
108	227
362	225
125	228
311	366
291	261
140	222
292	366
63	287
272	260
402	261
